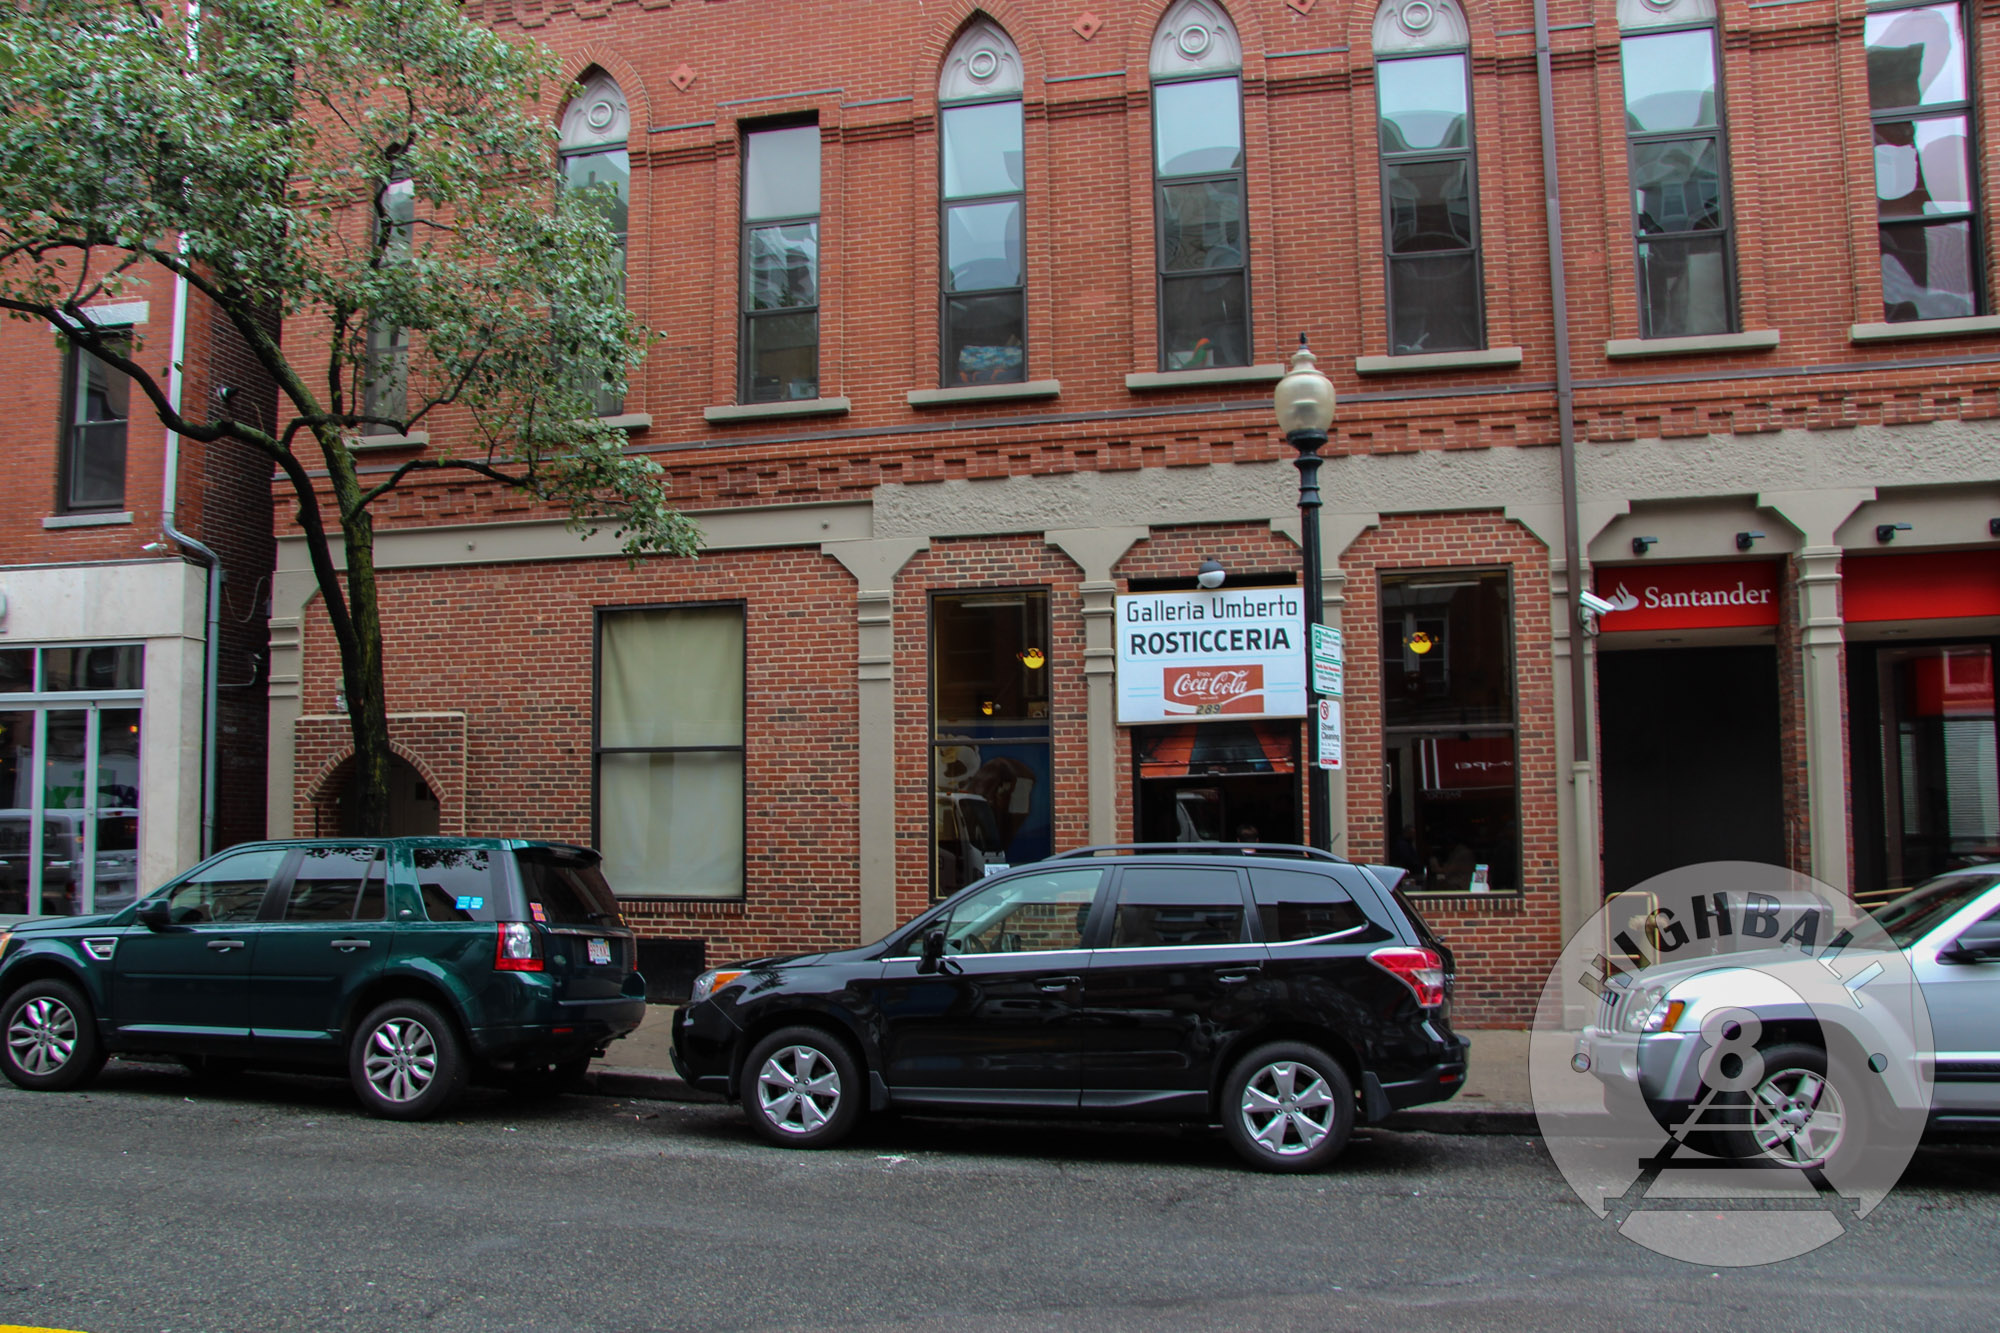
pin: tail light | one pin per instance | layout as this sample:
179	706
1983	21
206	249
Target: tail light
1419	969
519	949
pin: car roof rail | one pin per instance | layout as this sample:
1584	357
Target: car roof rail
1199	849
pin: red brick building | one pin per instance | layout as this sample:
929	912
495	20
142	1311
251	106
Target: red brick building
968	321
119	764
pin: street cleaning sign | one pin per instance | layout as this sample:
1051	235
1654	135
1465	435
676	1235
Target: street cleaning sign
1221	653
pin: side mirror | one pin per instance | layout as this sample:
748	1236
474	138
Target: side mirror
156	914
933	953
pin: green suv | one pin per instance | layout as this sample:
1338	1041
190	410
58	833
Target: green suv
416	963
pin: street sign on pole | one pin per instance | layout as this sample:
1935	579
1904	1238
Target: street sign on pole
1327	667
1329	733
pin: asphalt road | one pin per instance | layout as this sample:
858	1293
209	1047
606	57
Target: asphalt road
154	1203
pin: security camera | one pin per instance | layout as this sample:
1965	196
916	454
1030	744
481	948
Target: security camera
1594	604
1211	574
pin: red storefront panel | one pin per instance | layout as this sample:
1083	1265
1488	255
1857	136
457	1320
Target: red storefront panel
1715	595
1927	585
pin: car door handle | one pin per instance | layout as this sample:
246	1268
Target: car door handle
221	945
1057	983
1236	976
349	946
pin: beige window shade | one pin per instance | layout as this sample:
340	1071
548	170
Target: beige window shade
670	780
671	678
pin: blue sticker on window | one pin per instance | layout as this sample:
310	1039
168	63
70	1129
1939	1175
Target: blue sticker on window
468	904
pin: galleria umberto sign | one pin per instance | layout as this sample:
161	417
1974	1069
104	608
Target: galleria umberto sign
1222	653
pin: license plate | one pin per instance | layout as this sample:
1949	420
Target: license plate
599	951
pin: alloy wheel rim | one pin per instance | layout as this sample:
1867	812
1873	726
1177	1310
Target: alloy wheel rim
402	1060
798	1089
1287	1108
42	1037
1797	1119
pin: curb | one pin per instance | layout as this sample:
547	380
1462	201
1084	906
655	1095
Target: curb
651	1085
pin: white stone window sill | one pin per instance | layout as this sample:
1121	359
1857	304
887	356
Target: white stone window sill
416	439
1489	358
86	520
1145	380
959	394
632	423
1923	328
1701	344
797	407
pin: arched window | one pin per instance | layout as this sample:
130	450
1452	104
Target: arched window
1920	99
1674	135
592	147
983	205
1430	195
1203	254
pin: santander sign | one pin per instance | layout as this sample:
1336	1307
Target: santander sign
1722	594
1214	689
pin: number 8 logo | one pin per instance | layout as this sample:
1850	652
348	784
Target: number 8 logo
1716	1044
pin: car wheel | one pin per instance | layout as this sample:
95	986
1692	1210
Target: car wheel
532	1081
802	1088
1796	1116
405	1061
48	1038
1288	1107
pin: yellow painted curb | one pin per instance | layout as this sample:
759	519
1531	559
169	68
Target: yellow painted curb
32	1328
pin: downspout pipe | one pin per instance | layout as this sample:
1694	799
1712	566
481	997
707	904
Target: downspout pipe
1579	681
169	499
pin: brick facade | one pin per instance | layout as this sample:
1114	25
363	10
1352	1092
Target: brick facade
1451	467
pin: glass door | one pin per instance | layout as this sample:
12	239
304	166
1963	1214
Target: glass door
69	779
1940	759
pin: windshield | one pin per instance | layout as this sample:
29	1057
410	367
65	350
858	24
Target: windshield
1909	918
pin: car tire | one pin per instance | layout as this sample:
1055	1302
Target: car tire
406	1061
802	1088
1287	1107
48	1038
534	1081
1791	1105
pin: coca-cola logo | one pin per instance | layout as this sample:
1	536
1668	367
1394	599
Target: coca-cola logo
1214	689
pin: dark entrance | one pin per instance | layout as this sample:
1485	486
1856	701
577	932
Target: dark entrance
1690	759
1217	782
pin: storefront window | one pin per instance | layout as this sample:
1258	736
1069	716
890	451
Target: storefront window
1447	648
69	779
1939	763
990	761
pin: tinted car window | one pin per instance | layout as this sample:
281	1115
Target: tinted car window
566	890
1301	905
337	884
1914	915
232	889
1031	912
457	884
1166	906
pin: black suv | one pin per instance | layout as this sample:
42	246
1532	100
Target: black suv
416	963
1278	990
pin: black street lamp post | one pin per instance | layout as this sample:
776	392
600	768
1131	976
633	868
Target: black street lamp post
1304	403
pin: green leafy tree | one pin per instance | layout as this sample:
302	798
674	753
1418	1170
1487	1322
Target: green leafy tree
379	179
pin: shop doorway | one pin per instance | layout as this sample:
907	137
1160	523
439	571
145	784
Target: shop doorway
1217	782
1690	759
1926	762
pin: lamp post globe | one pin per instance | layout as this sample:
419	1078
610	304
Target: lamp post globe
1304	404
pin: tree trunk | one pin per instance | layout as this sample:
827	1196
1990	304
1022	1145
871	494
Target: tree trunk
367	698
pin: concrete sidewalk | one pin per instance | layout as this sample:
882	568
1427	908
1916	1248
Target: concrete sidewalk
1495	1099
